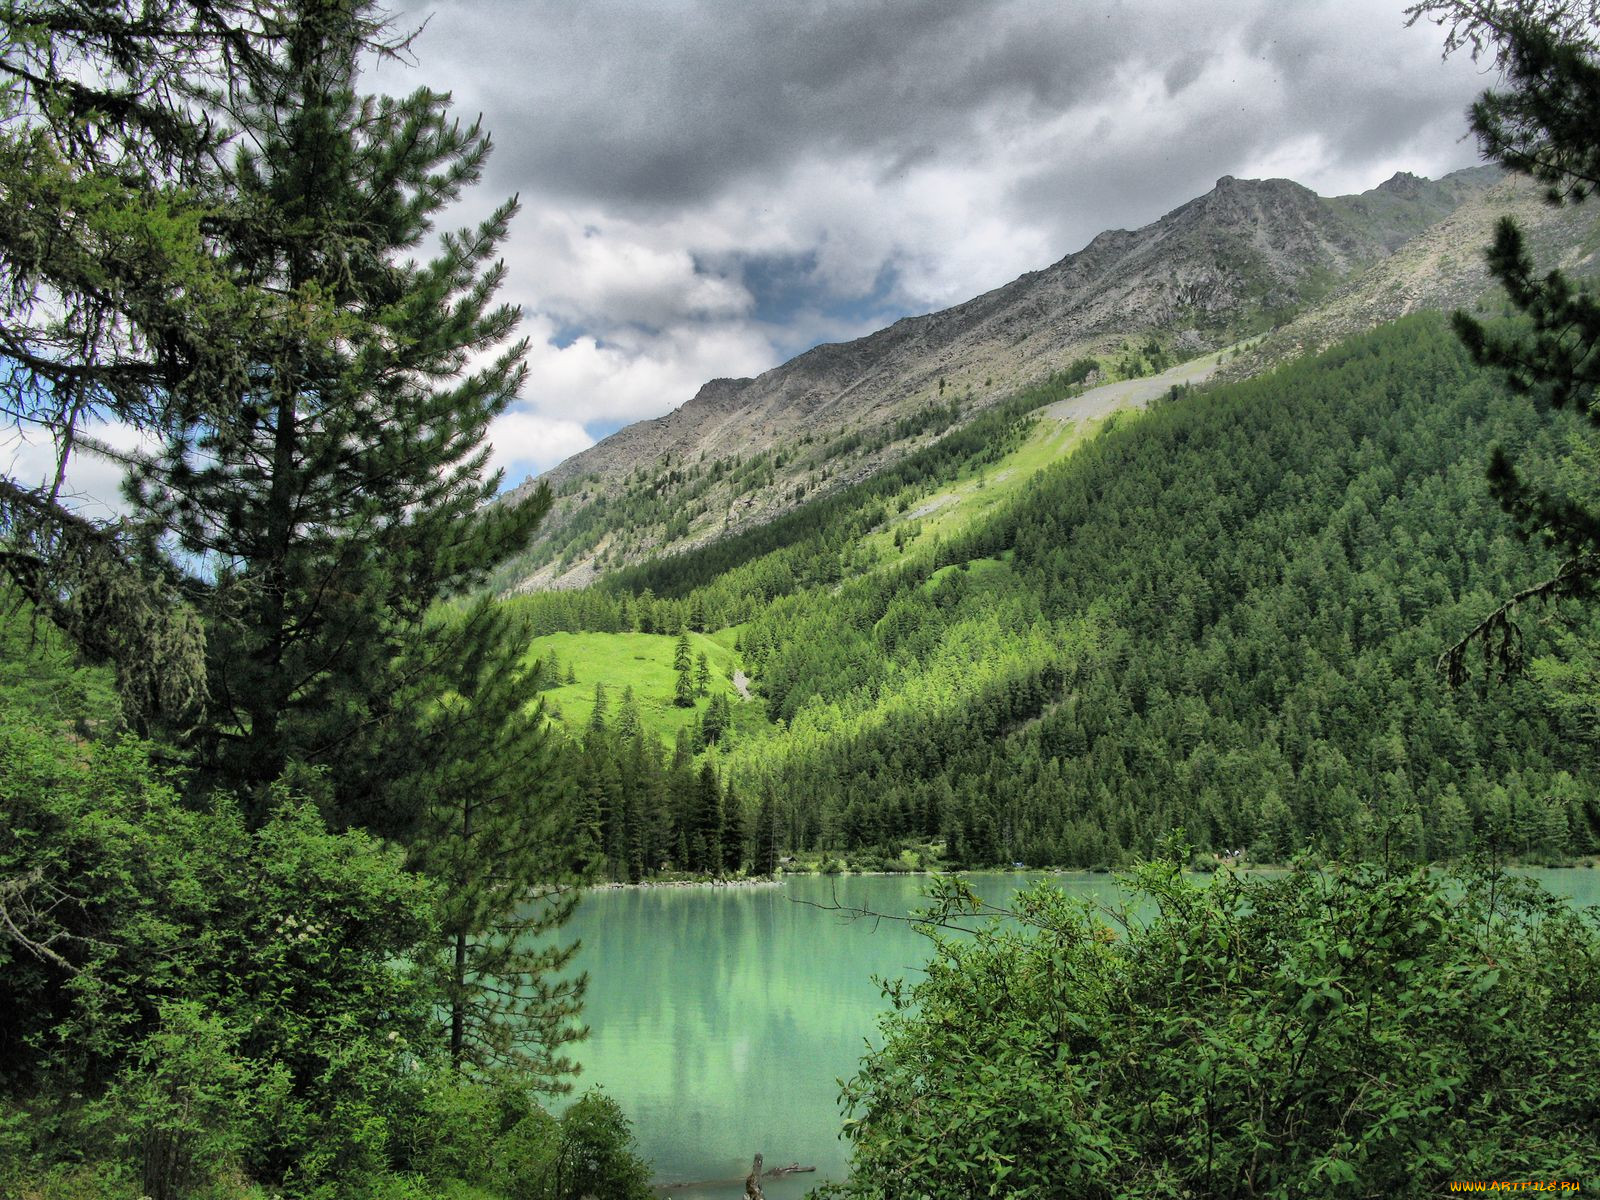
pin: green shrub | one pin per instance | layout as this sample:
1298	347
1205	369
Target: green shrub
1320	1034
193	997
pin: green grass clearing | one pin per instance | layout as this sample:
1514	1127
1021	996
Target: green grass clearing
642	661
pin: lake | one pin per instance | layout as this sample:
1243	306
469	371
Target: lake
723	1017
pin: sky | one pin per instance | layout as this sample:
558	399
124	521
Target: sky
709	187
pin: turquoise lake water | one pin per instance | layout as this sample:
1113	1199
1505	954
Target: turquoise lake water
723	1017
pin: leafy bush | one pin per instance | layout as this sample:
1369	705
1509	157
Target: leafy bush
218	998
1345	1033
189	1007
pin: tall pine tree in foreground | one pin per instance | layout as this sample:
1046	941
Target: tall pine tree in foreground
338	491
337	488
496	833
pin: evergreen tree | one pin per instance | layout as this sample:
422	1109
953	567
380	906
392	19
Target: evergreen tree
1545	123
683	693
715	721
497	832
702	675
629	723
706	830
765	861
111	308
733	831
334	486
595	731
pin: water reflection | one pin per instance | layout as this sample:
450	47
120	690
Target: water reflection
723	1017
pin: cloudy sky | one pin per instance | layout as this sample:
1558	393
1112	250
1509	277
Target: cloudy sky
709	187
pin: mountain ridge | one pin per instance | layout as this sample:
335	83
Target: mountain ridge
1240	260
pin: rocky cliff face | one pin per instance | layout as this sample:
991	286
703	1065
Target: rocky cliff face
1443	267
1240	260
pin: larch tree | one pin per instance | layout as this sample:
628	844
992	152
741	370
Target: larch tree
113	116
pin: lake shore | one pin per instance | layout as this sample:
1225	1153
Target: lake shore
1587	863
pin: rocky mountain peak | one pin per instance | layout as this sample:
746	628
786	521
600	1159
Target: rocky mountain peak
1403	183
1235	261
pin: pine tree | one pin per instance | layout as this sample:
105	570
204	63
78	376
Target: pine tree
595	731
683	693
334	487
628	722
702	675
1544	123
706	832
497	829
765	861
733	831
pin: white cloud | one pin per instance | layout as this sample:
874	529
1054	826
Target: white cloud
634	373
524	443
93	483
576	266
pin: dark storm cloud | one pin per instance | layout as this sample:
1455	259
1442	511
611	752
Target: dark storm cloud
665	105
654	107
711	184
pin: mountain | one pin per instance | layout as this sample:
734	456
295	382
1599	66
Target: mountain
1222	614
1441	268
1242	260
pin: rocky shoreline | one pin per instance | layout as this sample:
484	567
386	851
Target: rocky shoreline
758	881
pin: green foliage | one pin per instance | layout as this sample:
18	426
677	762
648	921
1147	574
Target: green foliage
490	1135
204	990
1540	122
108	133
335	489
176	1109
594	1156
795	549
1222	615
40	675
496	833
176	966
189	1005
1350	1033
683	690
642	663
656	507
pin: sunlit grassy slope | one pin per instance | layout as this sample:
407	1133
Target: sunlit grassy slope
642	661
974	494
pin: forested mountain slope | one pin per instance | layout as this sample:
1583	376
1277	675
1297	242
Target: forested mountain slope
1221	615
1237	261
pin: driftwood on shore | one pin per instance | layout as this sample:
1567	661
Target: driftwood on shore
757	1173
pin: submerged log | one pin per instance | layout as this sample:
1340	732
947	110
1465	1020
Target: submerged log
791	1169
756	1173
752	1182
